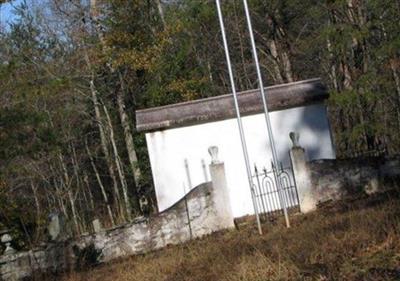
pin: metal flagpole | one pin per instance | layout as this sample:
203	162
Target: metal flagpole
266	112
239	119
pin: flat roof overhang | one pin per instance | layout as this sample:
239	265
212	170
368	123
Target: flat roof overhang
221	107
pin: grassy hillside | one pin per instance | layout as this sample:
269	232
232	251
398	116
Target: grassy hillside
350	240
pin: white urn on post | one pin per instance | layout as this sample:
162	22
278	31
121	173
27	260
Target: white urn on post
295	137
213	151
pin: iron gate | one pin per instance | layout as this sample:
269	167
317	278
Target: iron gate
266	191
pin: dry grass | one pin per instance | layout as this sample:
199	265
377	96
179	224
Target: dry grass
350	240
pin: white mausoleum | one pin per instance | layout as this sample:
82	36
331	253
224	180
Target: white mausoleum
178	137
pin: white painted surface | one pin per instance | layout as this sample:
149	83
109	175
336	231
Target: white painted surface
307	201
169	148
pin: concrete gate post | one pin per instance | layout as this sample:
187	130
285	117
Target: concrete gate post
302	176
220	194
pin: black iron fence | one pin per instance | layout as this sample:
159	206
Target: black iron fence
268	198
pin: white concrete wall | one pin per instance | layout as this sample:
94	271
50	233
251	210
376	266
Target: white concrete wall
169	148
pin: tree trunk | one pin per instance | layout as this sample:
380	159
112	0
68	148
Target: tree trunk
123	117
37	202
275	61
161	12
287	66
332	67
67	185
103	190
104	147
395	75
248	83
60	200
38	210
118	163
89	190
279	48
130	147
359	52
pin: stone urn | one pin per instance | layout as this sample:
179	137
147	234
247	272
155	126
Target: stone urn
6	240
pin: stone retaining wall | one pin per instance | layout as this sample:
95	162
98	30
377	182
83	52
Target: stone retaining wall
199	213
334	179
319	181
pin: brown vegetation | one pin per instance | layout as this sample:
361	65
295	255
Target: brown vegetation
351	240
